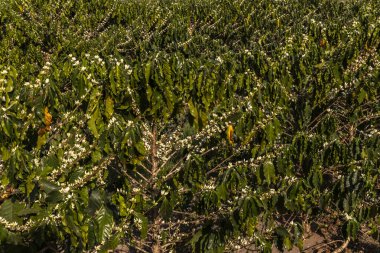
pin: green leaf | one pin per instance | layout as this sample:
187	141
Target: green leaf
5	154
52	191
135	73
168	74
194	240
41	140
320	65
140	148
270	133
298	236
111	243
109	107
193	112
283	238
112	81
3	234
222	191
104	221
11	242
346	205
9	86
147	72
193	109
141	222
52	161
165	209
317	178
288	243
6	128
54	197
10	210
149	93
48	186
28	211
249	208
121	202
352	228
269	172
96	156
92	123
362	95
95	201
30	184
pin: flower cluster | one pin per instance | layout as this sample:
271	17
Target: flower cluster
16	227
95	173
72	155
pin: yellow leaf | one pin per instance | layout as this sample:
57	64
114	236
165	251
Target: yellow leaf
9	191
48	117
230	133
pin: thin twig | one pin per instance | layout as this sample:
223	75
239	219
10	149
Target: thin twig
321	245
220	164
141	175
138	248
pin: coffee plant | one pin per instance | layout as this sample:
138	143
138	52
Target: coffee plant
187	126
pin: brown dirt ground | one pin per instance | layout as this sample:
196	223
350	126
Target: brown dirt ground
317	240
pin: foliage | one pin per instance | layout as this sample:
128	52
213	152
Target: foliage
114	117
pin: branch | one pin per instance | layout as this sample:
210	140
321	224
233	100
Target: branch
220	164
154	152
48	249
138	248
145	179
320	245
344	245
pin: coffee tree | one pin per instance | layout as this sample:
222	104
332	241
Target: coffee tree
187	126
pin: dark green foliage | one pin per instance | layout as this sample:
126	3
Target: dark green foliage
113	118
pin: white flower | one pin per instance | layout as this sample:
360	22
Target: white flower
65	190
